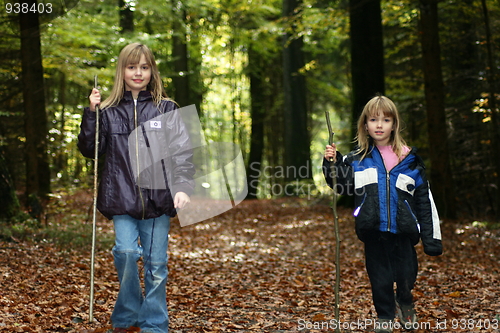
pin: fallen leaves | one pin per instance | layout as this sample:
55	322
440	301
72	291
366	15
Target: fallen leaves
265	266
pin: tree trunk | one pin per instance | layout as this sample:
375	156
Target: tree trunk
492	103
256	70
367	54
60	163
194	56
467	140
37	166
126	16
274	128
442	183
8	198
180	55
297	140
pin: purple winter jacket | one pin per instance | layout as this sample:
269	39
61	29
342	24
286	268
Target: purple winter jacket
119	190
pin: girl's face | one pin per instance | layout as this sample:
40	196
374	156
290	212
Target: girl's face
137	76
380	128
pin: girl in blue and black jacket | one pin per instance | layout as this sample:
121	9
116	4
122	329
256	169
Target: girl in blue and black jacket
394	208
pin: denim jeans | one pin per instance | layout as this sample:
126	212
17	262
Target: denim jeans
134	307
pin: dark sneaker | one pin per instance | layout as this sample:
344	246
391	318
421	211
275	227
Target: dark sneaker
407	316
383	326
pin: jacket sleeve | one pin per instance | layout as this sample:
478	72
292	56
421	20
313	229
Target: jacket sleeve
430	230
344	175
181	152
86	138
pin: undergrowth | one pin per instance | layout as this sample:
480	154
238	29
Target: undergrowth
67	223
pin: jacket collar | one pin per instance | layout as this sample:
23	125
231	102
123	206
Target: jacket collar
143	96
378	157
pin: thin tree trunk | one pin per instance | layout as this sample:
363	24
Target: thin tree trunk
180	55
37	166
257	96
8	199
196	88
492	103
442	183
297	139
367	54
126	16
274	127
61	162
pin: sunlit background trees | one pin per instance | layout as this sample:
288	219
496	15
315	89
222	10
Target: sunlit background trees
261	74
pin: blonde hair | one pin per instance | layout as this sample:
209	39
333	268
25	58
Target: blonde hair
131	54
375	106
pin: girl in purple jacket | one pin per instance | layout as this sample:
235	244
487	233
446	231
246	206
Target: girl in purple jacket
141	214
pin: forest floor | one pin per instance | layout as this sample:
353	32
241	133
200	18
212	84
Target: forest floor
264	266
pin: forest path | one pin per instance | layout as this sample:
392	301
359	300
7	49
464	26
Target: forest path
264	266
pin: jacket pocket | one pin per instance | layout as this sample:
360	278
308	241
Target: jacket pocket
413	215
367	213
407	220
356	211
119	128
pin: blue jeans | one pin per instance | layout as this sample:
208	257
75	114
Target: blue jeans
149	239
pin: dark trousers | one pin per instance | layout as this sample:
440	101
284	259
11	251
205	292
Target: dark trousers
390	258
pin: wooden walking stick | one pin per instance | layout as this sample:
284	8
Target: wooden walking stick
335	225
94	213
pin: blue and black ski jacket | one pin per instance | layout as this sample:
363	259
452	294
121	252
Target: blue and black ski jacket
398	201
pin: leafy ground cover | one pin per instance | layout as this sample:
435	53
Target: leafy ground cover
265	266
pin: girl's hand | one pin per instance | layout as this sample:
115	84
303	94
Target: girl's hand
95	99
181	199
331	152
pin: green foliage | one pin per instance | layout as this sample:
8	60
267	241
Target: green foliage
70	234
86	40
20	226
67	224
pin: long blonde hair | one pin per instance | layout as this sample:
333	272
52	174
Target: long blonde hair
131	54
375	106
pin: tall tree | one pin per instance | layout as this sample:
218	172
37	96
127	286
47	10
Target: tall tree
441	179
256	70
460	22
37	166
8	199
126	15
492	103
180	54
367	54
296	136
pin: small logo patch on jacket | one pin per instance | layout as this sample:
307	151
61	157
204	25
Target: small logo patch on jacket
155	124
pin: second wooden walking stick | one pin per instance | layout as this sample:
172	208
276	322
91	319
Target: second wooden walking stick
335	226
94	212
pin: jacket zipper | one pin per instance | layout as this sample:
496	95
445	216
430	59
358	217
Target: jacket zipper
137	157
413	215
388	191
388	188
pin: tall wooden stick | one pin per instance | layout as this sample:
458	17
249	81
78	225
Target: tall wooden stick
94	213
335	225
